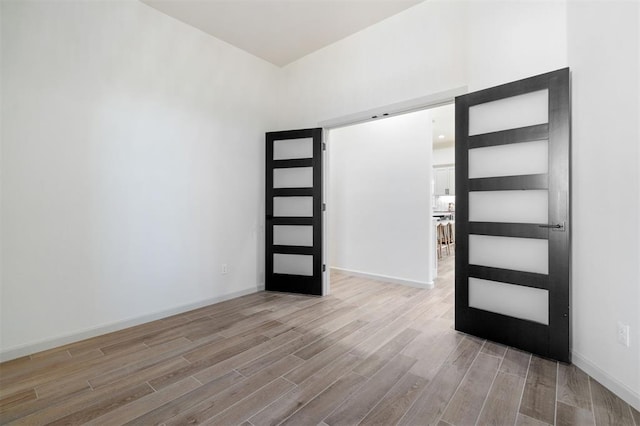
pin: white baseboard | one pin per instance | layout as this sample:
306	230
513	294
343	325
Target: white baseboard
623	391
386	278
43	345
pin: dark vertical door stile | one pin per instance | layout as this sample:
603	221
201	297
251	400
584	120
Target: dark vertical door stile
513	266
293	211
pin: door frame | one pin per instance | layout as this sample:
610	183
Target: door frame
411	105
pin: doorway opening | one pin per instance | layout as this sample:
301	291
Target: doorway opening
444	192
386	200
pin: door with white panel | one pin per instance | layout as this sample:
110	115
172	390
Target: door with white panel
513	212
293	211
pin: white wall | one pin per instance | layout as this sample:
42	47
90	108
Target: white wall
416	52
606	188
444	155
437	46
380	198
509	40
132	167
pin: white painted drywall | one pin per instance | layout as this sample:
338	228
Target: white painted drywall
380	198
416	52
444	155
606	174
132	168
436	46
509	40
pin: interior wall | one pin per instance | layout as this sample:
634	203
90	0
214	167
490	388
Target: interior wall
444	155
132	168
380	198
606	189
437	46
507	40
414	53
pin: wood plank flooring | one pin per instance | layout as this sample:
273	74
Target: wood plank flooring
371	353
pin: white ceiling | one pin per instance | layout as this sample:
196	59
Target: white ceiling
281	31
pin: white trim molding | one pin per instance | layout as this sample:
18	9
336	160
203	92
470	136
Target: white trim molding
54	342
623	391
377	277
424	102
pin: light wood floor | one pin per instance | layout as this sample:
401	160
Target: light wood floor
371	353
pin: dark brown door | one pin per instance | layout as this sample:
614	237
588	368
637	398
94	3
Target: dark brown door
294	211
513	214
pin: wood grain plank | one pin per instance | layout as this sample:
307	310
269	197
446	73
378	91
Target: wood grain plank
329	340
85	368
325	357
431	403
18	363
635	414
34	365
244	409
323	404
493	348
81	401
17	398
65	392
226	344
297	308
241	358
105	405
274	305
568	415
213	406
356	408
111	364
523	420
186	401
160	369
284	407
86	403
220	310
501	405
146	404
116	337
253	366
573	387
608	409
397	401
374	362
192	330
516	362
464	408
302	316
333	317
429	334
200	364
260	319
539	397
380	332
432	351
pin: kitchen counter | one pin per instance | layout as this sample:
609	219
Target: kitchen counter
445	213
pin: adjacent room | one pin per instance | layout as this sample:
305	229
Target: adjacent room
150	272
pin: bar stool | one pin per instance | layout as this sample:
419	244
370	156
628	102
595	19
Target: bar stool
444	239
